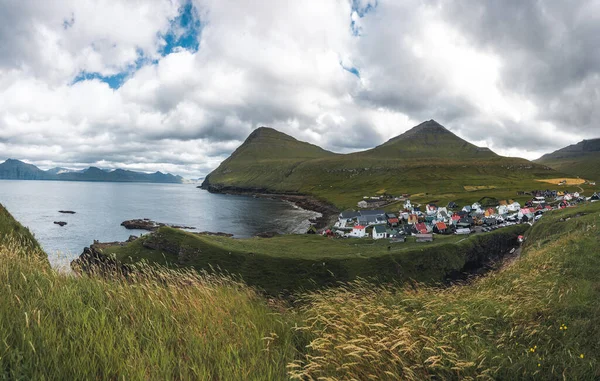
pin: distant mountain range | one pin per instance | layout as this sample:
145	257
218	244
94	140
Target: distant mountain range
17	170
581	159
428	158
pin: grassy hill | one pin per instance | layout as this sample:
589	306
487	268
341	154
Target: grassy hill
426	159
534	319
290	263
581	159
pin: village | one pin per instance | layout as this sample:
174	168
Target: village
425	221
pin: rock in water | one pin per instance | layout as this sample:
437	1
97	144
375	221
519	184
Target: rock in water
66	212
61	223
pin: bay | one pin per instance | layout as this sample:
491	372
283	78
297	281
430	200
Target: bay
101	207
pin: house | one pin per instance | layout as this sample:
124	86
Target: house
408	206
372	213
394	233
421	228
502	203
503	209
490	221
455	219
467	209
379	232
413	219
440	228
452	205
425	237
347	216
476	206
431	209
442	214
393	221
466	221
358	231
490	212
595	197
513	207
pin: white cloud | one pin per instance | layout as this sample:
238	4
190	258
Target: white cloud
283	64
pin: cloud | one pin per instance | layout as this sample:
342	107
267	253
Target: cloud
176	85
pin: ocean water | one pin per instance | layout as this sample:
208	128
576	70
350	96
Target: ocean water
101	207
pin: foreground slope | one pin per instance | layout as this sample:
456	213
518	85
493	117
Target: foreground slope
581	159
535	319
428	158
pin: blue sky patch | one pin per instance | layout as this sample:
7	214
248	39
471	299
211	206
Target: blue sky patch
361	12
351	69
185	30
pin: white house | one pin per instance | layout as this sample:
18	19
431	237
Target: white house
358	231
514	207
502	209
476	206
408	206
379	232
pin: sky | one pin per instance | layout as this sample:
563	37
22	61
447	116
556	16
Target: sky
177	85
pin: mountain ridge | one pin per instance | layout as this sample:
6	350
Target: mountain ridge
580	159
12	169
427	158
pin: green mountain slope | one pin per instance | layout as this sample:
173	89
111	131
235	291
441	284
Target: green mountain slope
267	158
581	159
426	159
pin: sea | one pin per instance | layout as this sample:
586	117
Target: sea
100	208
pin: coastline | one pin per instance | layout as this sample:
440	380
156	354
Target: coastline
328	211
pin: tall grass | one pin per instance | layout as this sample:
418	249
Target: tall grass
537	319
161	325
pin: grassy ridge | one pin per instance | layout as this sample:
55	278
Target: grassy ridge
581	159
291	263
536	319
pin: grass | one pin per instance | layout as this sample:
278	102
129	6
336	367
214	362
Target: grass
164	325
535	319
582	159
291	263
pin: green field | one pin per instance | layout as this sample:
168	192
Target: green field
534	319
427	159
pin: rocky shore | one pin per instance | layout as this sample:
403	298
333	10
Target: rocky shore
148	224
327	210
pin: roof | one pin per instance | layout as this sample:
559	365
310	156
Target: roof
455	217
380	229
349	214
391	215
358	227
393	220
371	212
441	226
421	227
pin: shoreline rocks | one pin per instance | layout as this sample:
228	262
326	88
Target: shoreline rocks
147	224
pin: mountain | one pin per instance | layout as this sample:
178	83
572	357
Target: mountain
266	157
581	159
430	139
17	170
428	159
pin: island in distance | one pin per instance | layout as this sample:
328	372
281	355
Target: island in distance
17	170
